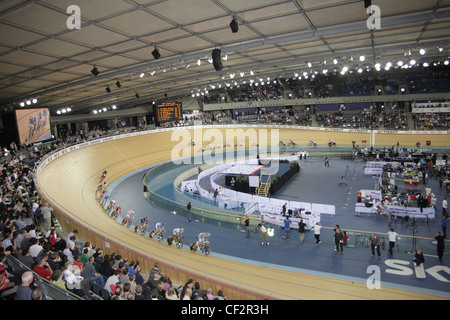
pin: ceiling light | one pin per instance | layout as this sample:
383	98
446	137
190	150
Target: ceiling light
335	61
412	62
187	65
114	107
225	57
251	72
28	102
360	70
440	49
422	51
199	62
58	112
94	71
22	104
309	64
210	60
69	109
362	58
141	75
34	100
324	71
152	72
446	62
426	64
400	63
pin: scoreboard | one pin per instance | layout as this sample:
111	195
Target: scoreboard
168	111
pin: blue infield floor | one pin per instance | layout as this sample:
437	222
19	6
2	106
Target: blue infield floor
314	183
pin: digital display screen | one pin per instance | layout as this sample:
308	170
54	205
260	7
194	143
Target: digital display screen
33	125
169	111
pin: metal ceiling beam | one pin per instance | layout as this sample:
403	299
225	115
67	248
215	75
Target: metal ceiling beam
322	32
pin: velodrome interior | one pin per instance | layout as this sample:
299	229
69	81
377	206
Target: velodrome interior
79	173
42	58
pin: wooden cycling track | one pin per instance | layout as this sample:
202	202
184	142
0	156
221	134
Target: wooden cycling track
69	184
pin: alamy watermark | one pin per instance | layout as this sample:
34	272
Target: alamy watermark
74	21
214	146
374	20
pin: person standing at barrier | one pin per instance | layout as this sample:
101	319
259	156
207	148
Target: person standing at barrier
317	228
264	235
247	227
444	223
445	207
287	227
375	242
327	162
301	230
392	240
188	207
338	240
440	245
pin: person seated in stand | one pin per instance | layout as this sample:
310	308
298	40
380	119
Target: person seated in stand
159	229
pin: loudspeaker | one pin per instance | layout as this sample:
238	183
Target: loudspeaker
234	26
95	72
367	3
156	54
217	60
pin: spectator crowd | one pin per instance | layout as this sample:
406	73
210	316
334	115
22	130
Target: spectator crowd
30	235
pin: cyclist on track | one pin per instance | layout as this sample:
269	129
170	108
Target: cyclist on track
110	206
142	226
159	229
177	233
129	217
202	238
